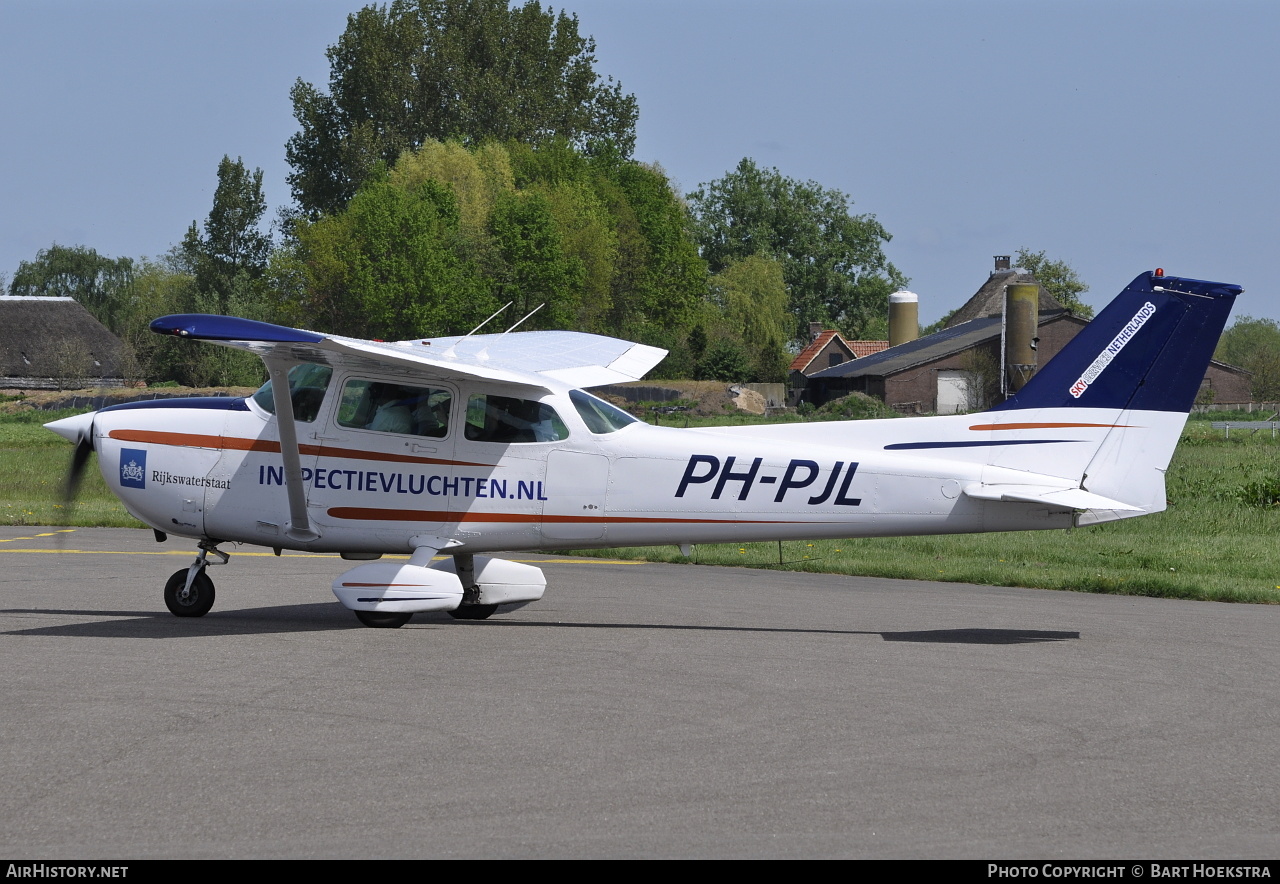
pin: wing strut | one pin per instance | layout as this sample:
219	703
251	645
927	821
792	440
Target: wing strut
299	523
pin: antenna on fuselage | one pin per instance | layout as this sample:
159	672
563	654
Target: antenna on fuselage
527	315
484	353
450	351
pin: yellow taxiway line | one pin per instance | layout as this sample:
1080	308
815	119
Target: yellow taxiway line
292	555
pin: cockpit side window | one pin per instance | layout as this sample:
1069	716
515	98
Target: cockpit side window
599	416
307	384
509	420
395	408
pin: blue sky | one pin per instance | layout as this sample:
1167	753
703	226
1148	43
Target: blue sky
1117	136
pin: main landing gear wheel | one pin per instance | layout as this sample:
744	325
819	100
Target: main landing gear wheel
382	619
195	602
473	612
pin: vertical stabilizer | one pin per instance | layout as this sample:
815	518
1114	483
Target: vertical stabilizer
1146	351
1132	374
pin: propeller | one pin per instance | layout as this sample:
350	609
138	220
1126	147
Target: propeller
77	429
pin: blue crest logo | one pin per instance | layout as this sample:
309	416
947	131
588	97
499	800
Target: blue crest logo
133	468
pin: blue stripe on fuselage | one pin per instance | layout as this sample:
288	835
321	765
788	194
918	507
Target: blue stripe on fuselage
211	403
910	446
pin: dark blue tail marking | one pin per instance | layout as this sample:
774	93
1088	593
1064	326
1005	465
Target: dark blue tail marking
1147	350
214	403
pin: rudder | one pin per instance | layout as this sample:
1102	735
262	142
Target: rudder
1146	351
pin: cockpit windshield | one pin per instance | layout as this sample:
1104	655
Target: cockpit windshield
307	383
599	416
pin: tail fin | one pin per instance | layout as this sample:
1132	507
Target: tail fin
1131	375
1146	351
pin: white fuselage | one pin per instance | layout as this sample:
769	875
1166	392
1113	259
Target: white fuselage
217	473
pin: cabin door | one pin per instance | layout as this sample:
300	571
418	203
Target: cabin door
385	464
577	485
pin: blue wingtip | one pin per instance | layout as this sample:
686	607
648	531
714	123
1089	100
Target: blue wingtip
209	327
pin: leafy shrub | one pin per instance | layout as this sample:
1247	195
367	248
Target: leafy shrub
1263	493
855	407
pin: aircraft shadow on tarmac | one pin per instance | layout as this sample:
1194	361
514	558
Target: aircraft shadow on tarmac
329	616
934	636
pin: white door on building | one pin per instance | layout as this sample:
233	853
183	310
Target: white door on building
953	391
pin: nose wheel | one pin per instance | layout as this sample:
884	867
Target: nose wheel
188	601
189	592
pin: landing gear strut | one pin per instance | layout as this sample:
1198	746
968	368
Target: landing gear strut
465	567
189	592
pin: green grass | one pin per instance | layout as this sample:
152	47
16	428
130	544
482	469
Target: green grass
33	469
32	480
1217	540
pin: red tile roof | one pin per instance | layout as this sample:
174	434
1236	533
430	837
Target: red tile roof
866	348
809	353
857	348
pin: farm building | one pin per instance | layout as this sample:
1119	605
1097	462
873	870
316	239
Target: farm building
826	349
964	366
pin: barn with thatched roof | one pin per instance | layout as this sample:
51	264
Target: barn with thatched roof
56	344
988	300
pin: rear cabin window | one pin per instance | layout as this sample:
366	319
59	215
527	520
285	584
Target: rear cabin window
508	420
395	408
307	383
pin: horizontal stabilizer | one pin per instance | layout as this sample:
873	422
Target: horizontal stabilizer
1072	498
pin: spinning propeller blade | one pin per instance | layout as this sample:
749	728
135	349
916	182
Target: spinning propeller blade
78	430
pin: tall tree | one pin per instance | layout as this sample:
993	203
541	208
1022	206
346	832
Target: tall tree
833	262
531	268
100	283
230	257
449	230
1058	278
1254	344
473	70
478	177
587	234
662	280
750	300
390	265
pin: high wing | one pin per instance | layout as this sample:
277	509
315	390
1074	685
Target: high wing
529	358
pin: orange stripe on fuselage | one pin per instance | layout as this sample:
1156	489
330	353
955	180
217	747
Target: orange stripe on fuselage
373	514
193	440
390	585
232	443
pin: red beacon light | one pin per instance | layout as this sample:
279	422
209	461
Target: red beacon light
1159	272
